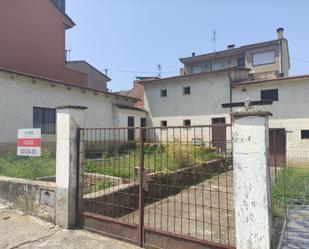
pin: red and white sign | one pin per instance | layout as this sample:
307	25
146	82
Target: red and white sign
29	142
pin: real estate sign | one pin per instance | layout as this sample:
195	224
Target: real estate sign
29	142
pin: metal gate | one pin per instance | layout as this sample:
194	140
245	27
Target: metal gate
169	188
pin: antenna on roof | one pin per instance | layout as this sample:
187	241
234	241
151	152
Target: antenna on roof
159	70
214	39
106	71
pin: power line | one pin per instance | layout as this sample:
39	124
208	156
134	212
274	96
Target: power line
133	71
298	59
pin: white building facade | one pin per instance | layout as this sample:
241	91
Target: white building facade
29	102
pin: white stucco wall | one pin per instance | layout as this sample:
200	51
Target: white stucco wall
18	96
209	92
290	112
121	120
203	104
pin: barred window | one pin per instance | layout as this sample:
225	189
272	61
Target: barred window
44	118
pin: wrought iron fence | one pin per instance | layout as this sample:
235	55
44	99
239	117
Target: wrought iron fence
174	180
290	191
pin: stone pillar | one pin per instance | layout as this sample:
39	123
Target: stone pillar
69	119
253	217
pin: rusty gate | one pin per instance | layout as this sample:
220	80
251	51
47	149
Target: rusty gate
169	187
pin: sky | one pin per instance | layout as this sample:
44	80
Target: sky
132	37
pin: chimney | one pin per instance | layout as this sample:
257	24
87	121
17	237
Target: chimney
280	32
193	54
231	46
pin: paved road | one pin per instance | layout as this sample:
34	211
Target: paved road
297	235
19	231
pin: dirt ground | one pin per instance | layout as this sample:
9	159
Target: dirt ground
204	211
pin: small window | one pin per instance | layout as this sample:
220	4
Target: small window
143	122
263	58
44	118
304	134
271	94
187	90
163	93
187	122
163	123
241	62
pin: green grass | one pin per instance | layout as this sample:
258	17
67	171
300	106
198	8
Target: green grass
292	183
27	167
157	158
102	184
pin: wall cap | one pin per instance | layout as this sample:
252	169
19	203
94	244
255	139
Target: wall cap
77	107
253	112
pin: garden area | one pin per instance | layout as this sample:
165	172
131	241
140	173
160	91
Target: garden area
30	168
290	186
122	162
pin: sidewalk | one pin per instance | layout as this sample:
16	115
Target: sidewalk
23	231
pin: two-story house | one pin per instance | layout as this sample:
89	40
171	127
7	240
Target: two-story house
263	60
257	71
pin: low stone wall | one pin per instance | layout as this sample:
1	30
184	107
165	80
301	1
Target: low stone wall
33	197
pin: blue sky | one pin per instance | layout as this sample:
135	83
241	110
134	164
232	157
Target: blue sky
131	37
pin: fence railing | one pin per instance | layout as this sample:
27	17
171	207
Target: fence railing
185	174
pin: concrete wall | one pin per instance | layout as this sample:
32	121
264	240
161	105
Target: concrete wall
18	96
34	40
203	104
96	79
290	112
32	197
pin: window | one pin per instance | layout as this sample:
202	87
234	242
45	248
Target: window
187	122
196	69
263	58
271	94
216	66
131	131
187	90
241	62
44	118
163	123
304	134
163	92
143	122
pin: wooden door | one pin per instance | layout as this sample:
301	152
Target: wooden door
277	145
219	134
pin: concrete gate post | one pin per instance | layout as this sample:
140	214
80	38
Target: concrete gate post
69	119
253	217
